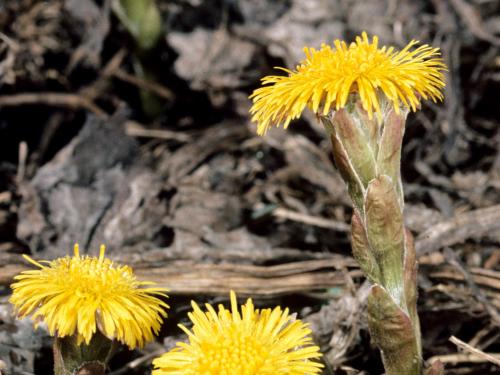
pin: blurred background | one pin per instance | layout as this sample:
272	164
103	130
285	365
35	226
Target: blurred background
125	122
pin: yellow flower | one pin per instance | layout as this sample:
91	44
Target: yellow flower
326	77
77	295
255	342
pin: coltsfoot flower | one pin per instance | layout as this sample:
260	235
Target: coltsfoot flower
80	294
253	342
326	78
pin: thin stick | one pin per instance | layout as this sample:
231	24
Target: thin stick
53	99
156	88
134	129
476	292
21	165
311	220
460	358
469	224
138	362
495	358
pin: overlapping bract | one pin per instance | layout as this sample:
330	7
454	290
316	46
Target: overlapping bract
80	294
326	78
253	342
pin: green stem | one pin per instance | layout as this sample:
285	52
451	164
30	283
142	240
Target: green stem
73	359
367	153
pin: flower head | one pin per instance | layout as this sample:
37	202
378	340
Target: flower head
79	294
327	76
255	342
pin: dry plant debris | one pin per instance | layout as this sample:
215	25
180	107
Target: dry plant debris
195	201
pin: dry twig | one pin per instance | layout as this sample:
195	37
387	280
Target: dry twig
475	223
311	220
493	358
73	101
473	21
154	87
134	129
476	292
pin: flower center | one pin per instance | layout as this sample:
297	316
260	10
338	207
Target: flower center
90	278
234	354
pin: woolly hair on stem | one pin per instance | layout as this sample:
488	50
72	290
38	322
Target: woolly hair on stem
362	94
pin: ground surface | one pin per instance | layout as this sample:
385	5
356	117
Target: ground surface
166	170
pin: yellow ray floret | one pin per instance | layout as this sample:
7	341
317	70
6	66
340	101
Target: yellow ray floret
253	342
324	80
79	294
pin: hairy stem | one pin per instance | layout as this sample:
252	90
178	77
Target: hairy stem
367	152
